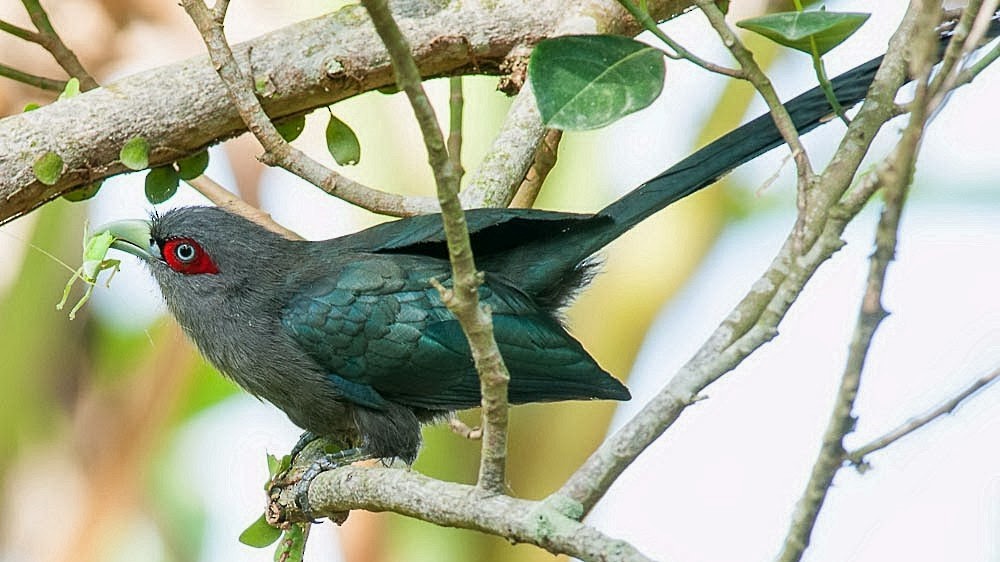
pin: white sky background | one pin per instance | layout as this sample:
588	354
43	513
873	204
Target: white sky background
722	483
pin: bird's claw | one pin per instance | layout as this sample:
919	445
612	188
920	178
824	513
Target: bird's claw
322	464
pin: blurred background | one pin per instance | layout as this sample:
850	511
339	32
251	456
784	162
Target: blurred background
118	443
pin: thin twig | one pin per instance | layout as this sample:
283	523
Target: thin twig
49	39
39	82
277	152
456	106
227	200
643	17
970	73
545	160
895	180
968	36
857	456
20	32
781	118
462	298
459	427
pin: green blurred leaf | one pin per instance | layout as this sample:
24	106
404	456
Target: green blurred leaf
585	82
799	29
135	153
71	90
260	534
192	166
293	544
48	168
276	466
161	184
84	193
342	142
291	128
31	106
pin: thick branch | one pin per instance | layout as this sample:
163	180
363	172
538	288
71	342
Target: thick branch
458	505
184	107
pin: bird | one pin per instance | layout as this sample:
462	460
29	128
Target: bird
349	337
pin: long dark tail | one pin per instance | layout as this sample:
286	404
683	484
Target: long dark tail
708	165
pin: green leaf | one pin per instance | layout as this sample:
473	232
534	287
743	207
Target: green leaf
291	128
799	29
192	166
293	544
161	184
342	142
260	534
31	106
84	193
48	168
135	153
276	466
71	90
585	82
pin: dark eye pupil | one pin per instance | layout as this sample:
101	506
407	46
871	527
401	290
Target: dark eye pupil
184	252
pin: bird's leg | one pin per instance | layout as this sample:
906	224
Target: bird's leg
306	438
326	462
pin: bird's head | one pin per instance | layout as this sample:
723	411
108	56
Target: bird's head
200	249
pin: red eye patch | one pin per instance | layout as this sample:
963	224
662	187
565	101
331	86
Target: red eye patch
186	256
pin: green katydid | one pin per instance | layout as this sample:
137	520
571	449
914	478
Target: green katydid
95	247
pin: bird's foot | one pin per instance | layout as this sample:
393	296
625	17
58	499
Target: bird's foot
326	462
305	439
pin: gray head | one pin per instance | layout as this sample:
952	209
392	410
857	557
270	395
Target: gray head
196	251
213	267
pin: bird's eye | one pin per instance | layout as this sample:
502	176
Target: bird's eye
186	256
185	252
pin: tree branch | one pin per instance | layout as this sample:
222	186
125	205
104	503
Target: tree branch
456	108
50	40
679	51
462	298
184	107
230	202
278	152
545	160
39	82
895	180
857	456
19	32
457	505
